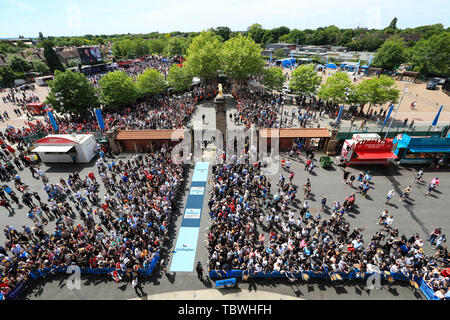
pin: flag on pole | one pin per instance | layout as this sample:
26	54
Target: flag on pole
52	120
370	60
292	54
389	114
340	113
437	116
99	116
270	57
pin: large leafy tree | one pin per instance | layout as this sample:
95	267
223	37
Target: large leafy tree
273	78
71	92
432	54
377	91
40	67
203	56
117	90
7	75
304	80
150	82
179	78
256	32
337	88
223	32
241	58
176	46
19	64
51	58
391	54
157	46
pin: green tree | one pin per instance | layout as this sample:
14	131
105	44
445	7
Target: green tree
273	78
176	46
117	90
377	91
256	32
203	55
8	75
319	37
241	58
336	88
279	52
333	35
223	32
156	46
150	82
391	54
346	37
51	58
305	80
179	78
40	67
19	64
72	63
71	92
432	54
393	24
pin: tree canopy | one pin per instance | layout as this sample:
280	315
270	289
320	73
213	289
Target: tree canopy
336	88
273	78
51	58
432	54
241	58
117	90
150	82
71	92
304	80
391	54
203	55
179	78
377	91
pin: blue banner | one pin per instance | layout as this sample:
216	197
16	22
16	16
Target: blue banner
340	114
99	116
437	116
52	120
389	114
271	57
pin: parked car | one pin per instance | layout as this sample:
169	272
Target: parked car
432	84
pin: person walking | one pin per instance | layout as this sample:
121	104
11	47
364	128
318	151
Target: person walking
389	196
419	176
199	269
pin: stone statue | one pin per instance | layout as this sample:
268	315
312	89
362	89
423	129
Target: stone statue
220	95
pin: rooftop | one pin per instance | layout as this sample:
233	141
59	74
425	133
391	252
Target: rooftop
150	134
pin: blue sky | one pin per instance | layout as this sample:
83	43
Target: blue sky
80	17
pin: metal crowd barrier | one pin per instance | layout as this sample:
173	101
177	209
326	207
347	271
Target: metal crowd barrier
423	286
17	291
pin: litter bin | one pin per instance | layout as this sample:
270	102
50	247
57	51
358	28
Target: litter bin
326	161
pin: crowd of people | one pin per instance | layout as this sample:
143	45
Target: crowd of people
125	229
242	211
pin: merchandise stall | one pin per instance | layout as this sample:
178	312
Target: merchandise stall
368	149
66	148
421	150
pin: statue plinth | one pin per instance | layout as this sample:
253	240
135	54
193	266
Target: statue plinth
221	115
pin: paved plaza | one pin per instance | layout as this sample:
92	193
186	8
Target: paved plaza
420	214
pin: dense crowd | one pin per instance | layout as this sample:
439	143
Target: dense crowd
241	205
257	107
124	230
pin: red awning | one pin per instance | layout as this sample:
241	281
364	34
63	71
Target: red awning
376	155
